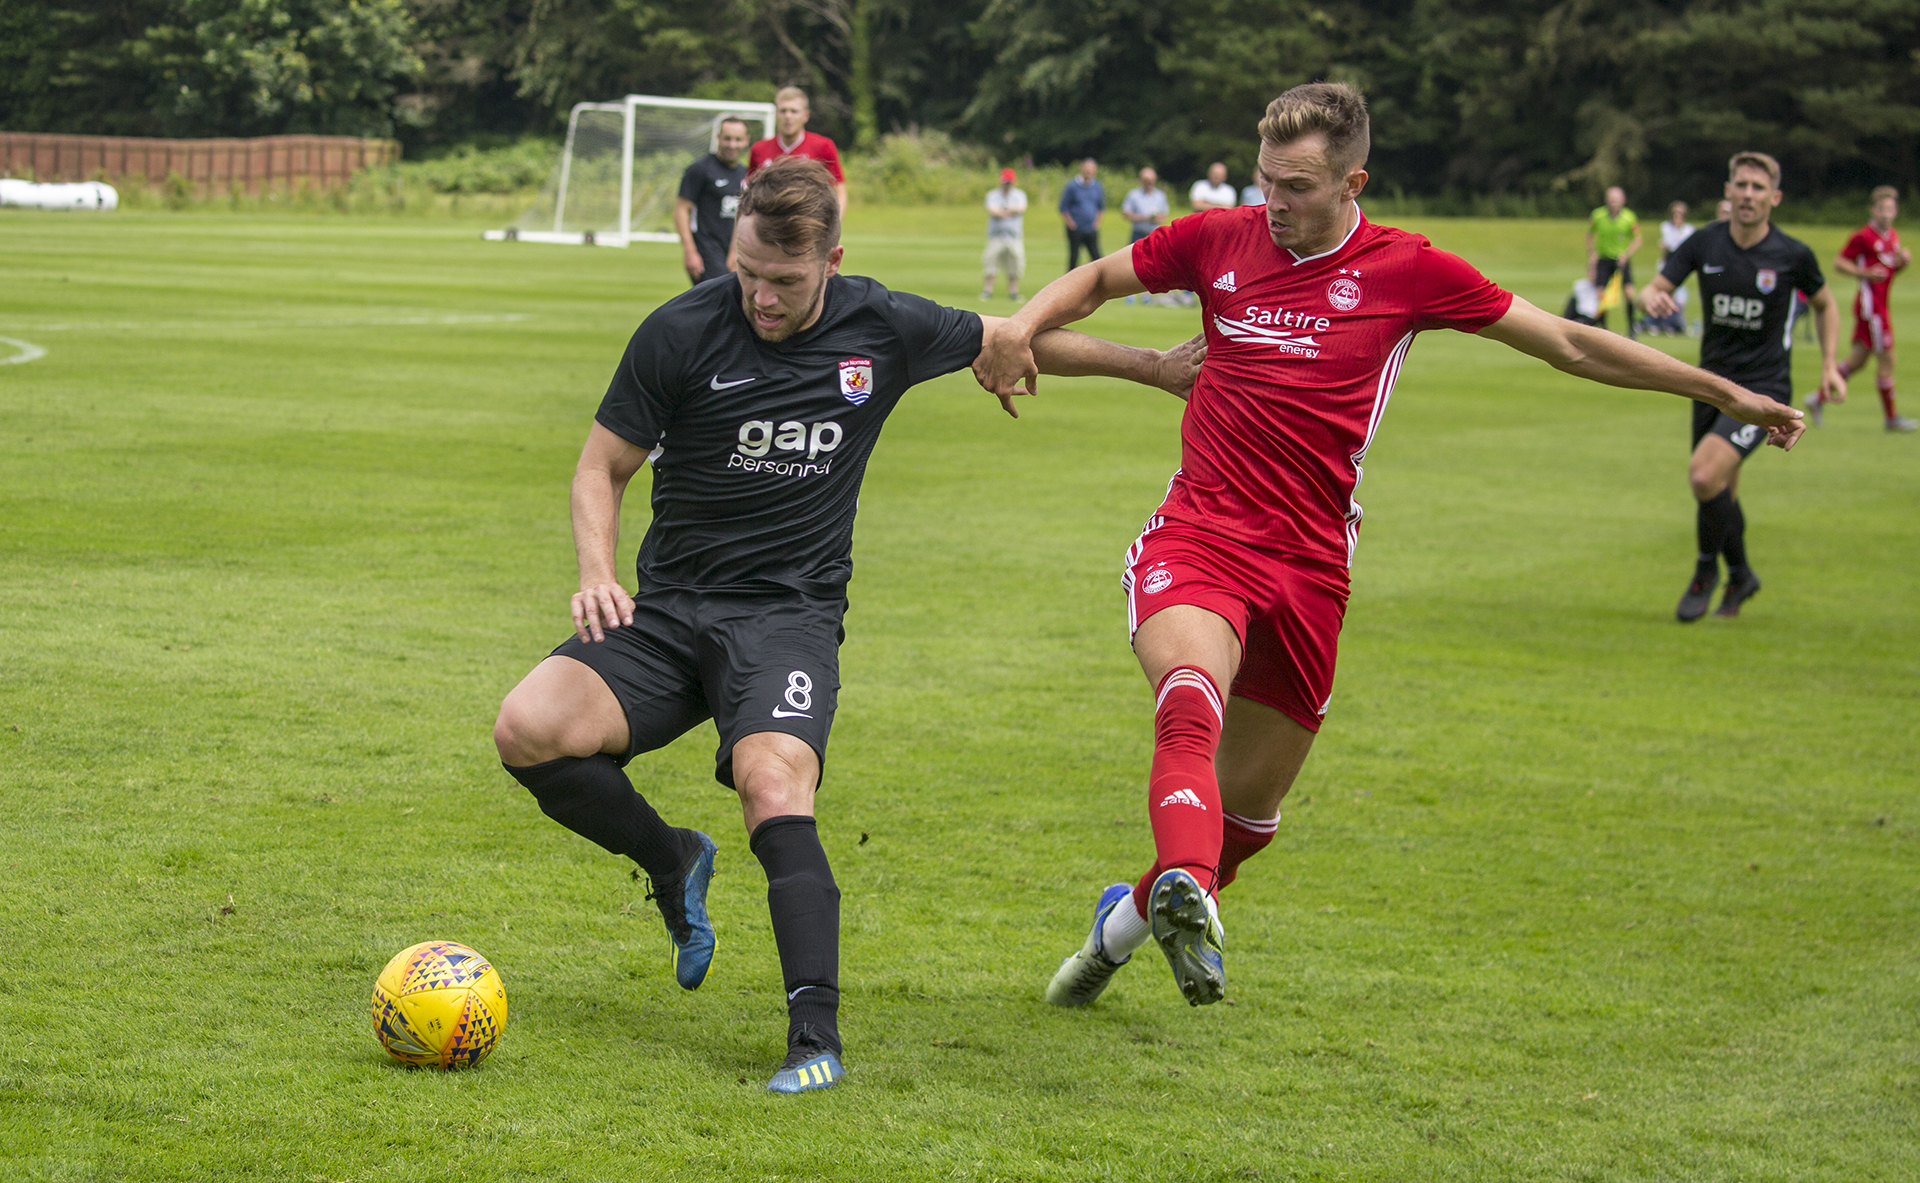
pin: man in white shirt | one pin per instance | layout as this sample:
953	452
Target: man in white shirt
1146	206
1251	195
1006	246
1214	192
1674	231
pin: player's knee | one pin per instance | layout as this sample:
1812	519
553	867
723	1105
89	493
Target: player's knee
522	734
1706	480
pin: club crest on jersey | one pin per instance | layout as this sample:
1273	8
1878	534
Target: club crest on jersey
1343	293
1766	281
856	379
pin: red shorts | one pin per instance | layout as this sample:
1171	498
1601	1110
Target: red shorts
1874	331
1286	610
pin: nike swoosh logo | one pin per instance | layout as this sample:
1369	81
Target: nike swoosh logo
720	183
717	384
780	714
794	993
1713	270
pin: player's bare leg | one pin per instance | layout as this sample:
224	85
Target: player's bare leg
1817	401
776	775
1261	753
559	733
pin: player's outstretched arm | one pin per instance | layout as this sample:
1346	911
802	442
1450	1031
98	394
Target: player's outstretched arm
1600	356
607	463
1067	354
1006	364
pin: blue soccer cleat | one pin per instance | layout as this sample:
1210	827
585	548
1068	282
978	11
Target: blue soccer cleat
1186	924
807	1068
683	905
1082	976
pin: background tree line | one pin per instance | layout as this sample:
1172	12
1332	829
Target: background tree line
1470	96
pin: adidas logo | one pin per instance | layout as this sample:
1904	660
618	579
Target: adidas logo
1183	797
1225	282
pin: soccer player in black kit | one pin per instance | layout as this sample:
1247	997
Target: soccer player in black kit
1749	272
709	195
757	397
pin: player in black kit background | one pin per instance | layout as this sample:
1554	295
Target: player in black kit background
758	398
703	213
1749	272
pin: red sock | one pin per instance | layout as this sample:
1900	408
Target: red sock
1183	798
1241	838
1886	396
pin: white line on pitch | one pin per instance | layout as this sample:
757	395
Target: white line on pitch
28	351
329	323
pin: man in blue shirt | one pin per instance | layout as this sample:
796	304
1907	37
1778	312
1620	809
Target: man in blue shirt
1082	201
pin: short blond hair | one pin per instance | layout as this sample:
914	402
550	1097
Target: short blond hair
1759	160
1331	109
791	92
1881	193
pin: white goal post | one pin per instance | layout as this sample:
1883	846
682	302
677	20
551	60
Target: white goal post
621	167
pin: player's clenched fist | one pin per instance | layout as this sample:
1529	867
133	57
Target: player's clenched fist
600	607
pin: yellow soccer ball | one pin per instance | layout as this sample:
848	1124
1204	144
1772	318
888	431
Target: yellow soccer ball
439	1005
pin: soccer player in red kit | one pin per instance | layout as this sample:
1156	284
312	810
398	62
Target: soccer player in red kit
1237	587
1873	254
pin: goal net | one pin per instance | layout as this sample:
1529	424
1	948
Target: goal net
621	167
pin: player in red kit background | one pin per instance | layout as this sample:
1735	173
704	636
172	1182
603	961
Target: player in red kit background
1237	587
1874	255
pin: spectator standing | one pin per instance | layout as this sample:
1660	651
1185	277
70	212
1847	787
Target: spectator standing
791	110
709	194
1674	231
1251	195
1146	206
1006	246
1613	235
1082	201
1214	192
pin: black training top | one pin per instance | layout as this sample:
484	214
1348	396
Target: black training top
1748	302
759	448
714	190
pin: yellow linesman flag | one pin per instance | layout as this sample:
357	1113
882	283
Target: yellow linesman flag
1610	299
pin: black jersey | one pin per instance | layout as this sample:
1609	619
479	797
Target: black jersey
758	448
1747	300
714	190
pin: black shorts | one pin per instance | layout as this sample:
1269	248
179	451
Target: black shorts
714	257
1745	437
751	662
1603	270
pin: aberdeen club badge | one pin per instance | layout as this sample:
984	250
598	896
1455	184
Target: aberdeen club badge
856	379
1766	281
1344	294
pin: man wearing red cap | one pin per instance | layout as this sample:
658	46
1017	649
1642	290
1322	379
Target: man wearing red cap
1006	248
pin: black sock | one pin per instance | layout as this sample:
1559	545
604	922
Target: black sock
1733	542
1710	527
805	906
595	800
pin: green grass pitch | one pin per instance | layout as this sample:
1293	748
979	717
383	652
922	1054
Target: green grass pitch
1566	891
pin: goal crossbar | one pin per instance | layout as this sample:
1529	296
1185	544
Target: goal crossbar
626	108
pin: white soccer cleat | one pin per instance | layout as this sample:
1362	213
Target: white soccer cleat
1082	976
1186	925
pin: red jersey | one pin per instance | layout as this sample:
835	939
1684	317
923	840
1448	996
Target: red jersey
812	146
1302	354
1870	248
